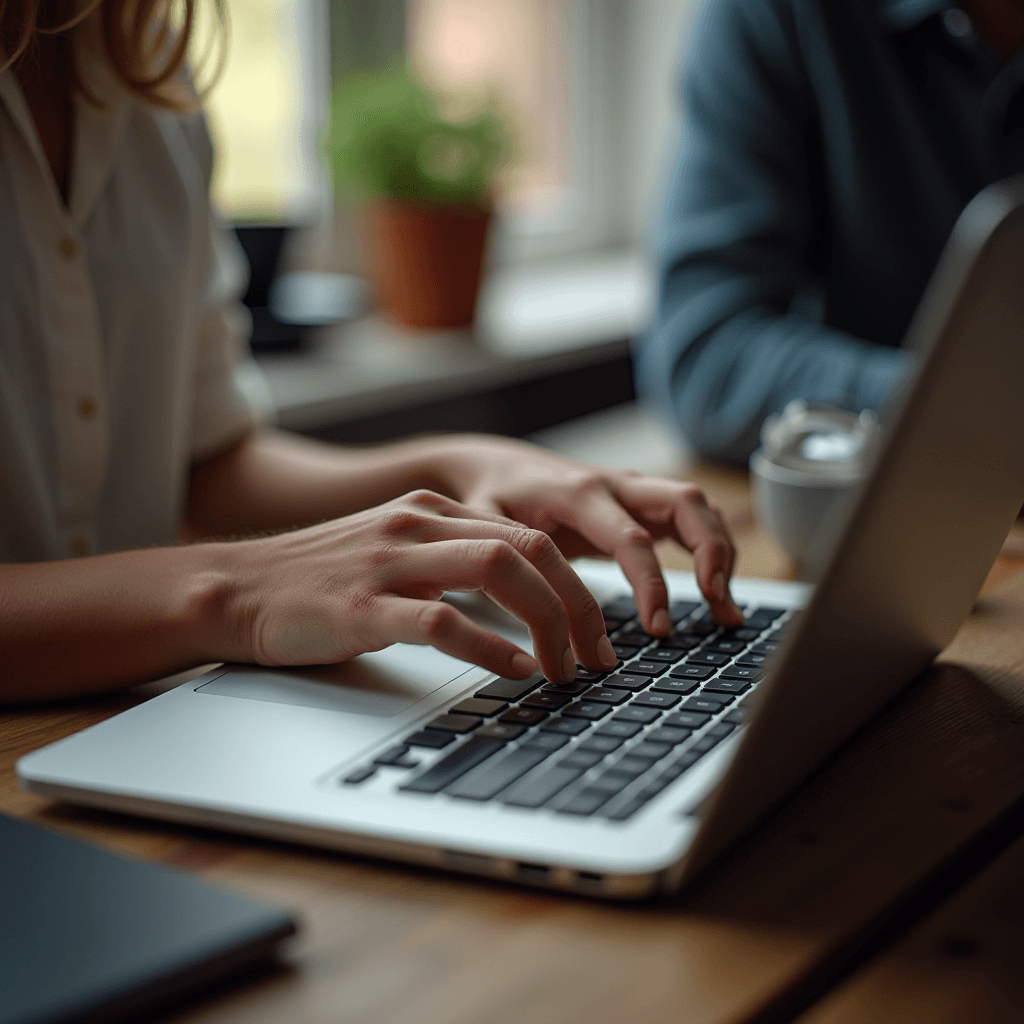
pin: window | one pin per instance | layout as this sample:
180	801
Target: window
265	109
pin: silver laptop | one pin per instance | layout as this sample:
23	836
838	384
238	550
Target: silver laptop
639	779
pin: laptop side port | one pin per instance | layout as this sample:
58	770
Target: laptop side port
535	873
590	878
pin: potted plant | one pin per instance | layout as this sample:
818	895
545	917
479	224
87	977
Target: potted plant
425	184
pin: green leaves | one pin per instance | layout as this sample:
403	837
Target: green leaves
388	137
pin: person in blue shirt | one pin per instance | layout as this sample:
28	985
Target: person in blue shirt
827	149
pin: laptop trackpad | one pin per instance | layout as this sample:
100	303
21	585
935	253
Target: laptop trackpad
383	683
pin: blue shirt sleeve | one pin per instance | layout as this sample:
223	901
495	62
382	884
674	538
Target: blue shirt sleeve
740	326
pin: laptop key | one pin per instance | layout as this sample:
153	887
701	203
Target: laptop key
725	685
622	812
765	647
586	675
710	704
651	699
720	730
566	689
548	741
510	690
752	660
625	651
359	775
536	792
624	681
565	726
523	716
455	723
668	655
432	738
396	757
679	642
747	672
735	717
584	803
646	668
635	638
683	687
726	646
545	701
582	759
619	730
688	719
474	751
698	672
708	658
601	744
650	749
502	731
490	779
612	782
586	710
634	766
606	695
482	706
668	734
743	633
634	714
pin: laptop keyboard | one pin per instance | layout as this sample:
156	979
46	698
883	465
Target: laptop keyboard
606	744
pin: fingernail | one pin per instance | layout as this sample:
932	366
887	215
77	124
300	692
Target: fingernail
718	590
605	654
523	665
569	665
660	622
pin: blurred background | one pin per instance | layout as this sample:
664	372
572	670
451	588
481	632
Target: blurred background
584	91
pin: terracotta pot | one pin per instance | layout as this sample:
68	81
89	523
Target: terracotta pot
425	260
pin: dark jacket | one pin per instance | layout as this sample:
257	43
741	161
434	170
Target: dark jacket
827	149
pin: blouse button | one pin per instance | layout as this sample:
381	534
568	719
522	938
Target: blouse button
79	546
68	247
86	408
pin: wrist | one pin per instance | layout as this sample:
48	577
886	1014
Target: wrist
210	610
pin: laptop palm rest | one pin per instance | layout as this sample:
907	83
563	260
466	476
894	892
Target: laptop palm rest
381	684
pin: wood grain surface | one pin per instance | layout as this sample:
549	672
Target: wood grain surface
963	965
874	834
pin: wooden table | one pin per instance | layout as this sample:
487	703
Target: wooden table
900	817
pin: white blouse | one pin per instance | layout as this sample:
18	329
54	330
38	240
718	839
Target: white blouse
121	334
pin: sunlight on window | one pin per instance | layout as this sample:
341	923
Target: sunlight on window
513	52
255	112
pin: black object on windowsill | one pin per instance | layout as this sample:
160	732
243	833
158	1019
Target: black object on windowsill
286	309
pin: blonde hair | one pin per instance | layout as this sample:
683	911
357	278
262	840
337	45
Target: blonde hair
144	42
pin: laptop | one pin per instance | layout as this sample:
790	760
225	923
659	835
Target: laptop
628	784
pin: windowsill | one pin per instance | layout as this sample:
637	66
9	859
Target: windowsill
532	322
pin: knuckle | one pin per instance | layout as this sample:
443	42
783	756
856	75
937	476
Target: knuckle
397	522
435	620
495	555
422	497
694	494
537	546
585	482
635	536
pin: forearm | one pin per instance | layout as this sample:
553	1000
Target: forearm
721	386
81	626
274	480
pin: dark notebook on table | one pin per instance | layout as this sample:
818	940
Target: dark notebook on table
86	935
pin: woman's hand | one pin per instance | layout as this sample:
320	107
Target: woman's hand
327	593
586	510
